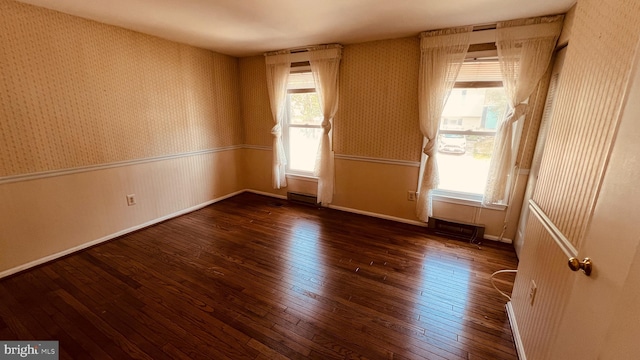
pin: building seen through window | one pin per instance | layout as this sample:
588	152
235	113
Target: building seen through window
467	130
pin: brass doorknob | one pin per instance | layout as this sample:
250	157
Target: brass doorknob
585	265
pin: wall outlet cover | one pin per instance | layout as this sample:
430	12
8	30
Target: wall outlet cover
131	199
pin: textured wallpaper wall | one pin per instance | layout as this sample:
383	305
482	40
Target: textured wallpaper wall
75	93
378	106
256	110
378	110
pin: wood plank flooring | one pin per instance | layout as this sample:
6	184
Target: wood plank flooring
253	277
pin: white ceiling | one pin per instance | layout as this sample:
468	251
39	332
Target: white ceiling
250	27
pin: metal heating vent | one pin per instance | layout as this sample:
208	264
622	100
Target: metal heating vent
302	198
465	231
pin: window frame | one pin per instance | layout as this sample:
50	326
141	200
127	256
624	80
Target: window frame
300	67
467	198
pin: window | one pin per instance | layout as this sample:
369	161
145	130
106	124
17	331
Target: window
467	129
303	128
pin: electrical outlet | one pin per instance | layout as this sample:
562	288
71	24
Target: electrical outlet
533	288
411	195
131	199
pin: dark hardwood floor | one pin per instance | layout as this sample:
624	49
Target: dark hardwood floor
253	277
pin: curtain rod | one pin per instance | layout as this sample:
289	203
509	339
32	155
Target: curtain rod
482	27
300	49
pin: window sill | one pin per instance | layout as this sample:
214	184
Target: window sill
303	177
467	199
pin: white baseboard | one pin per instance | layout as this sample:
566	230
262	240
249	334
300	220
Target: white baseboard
198	207
516	334
89	244
498	239
351	210
377	215
406	221
380	216
265	193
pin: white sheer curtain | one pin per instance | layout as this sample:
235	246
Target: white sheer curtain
325	63
442	55
525	48
278	68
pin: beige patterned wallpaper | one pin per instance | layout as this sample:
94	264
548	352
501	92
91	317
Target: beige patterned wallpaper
256	110
377	112
75	93
378	106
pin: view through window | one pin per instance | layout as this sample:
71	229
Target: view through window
303	129
466	136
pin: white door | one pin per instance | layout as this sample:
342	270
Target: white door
611	241
586	204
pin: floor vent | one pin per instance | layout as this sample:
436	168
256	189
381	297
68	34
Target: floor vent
473	233
301	198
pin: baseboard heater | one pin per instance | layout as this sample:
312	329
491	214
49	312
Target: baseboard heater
302	198
459	230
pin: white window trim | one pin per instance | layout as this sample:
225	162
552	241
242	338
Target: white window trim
473	199
285	133
462	198
287	126
302	177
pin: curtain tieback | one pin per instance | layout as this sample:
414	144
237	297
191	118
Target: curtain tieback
276	131
429	147
326	126
517	112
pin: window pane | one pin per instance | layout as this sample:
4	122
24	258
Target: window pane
303	147
305	109
474	109
463	160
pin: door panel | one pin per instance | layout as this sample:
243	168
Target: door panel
585	116
611	240
586	199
